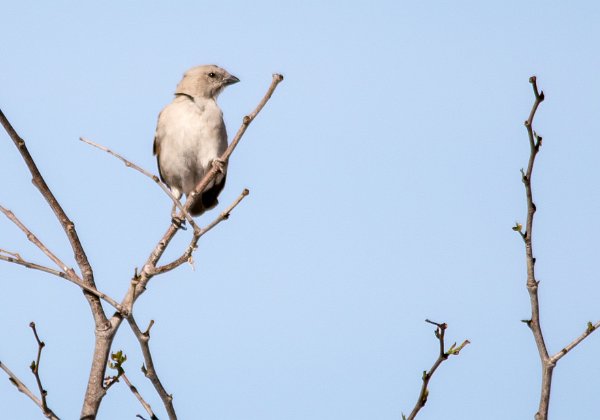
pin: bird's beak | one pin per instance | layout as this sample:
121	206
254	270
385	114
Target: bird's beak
230	80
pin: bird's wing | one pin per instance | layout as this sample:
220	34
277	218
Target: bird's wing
156	148
156	145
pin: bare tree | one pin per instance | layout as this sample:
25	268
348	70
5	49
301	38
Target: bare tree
548	361
106	327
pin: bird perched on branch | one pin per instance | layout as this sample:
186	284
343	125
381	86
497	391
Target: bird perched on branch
190	136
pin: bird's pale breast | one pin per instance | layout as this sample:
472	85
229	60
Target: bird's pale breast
190	134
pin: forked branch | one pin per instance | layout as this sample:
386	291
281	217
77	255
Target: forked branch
35	369
63	219
148	368
534	323
440	332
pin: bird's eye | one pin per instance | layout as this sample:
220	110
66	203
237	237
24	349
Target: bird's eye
211	75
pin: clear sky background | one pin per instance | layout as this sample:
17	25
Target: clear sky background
384	179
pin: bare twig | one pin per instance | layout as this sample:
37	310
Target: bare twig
139	397
443	355
148	367
17	259
35	369
548	362
23	388
589	330
33	239
150	175
187	255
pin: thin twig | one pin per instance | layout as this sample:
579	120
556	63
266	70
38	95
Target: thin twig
34	266
139	397
150	175
33	239
589	330
23	388
187	255
35	369
17	259
148	367
443	355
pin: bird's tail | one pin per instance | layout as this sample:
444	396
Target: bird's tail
197	208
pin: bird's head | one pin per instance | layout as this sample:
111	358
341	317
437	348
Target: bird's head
205	81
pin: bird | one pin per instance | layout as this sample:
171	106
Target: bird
191	135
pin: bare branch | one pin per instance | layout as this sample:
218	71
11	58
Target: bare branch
187	255
443	355
150	175
17	259
95	390
148	368
65	222
33	239
35	369
35	366
532	284
23	388
548	363
588	331
139	397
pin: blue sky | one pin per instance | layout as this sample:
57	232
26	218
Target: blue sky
384	179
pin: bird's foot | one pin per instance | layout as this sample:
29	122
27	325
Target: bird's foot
219	164
178	222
